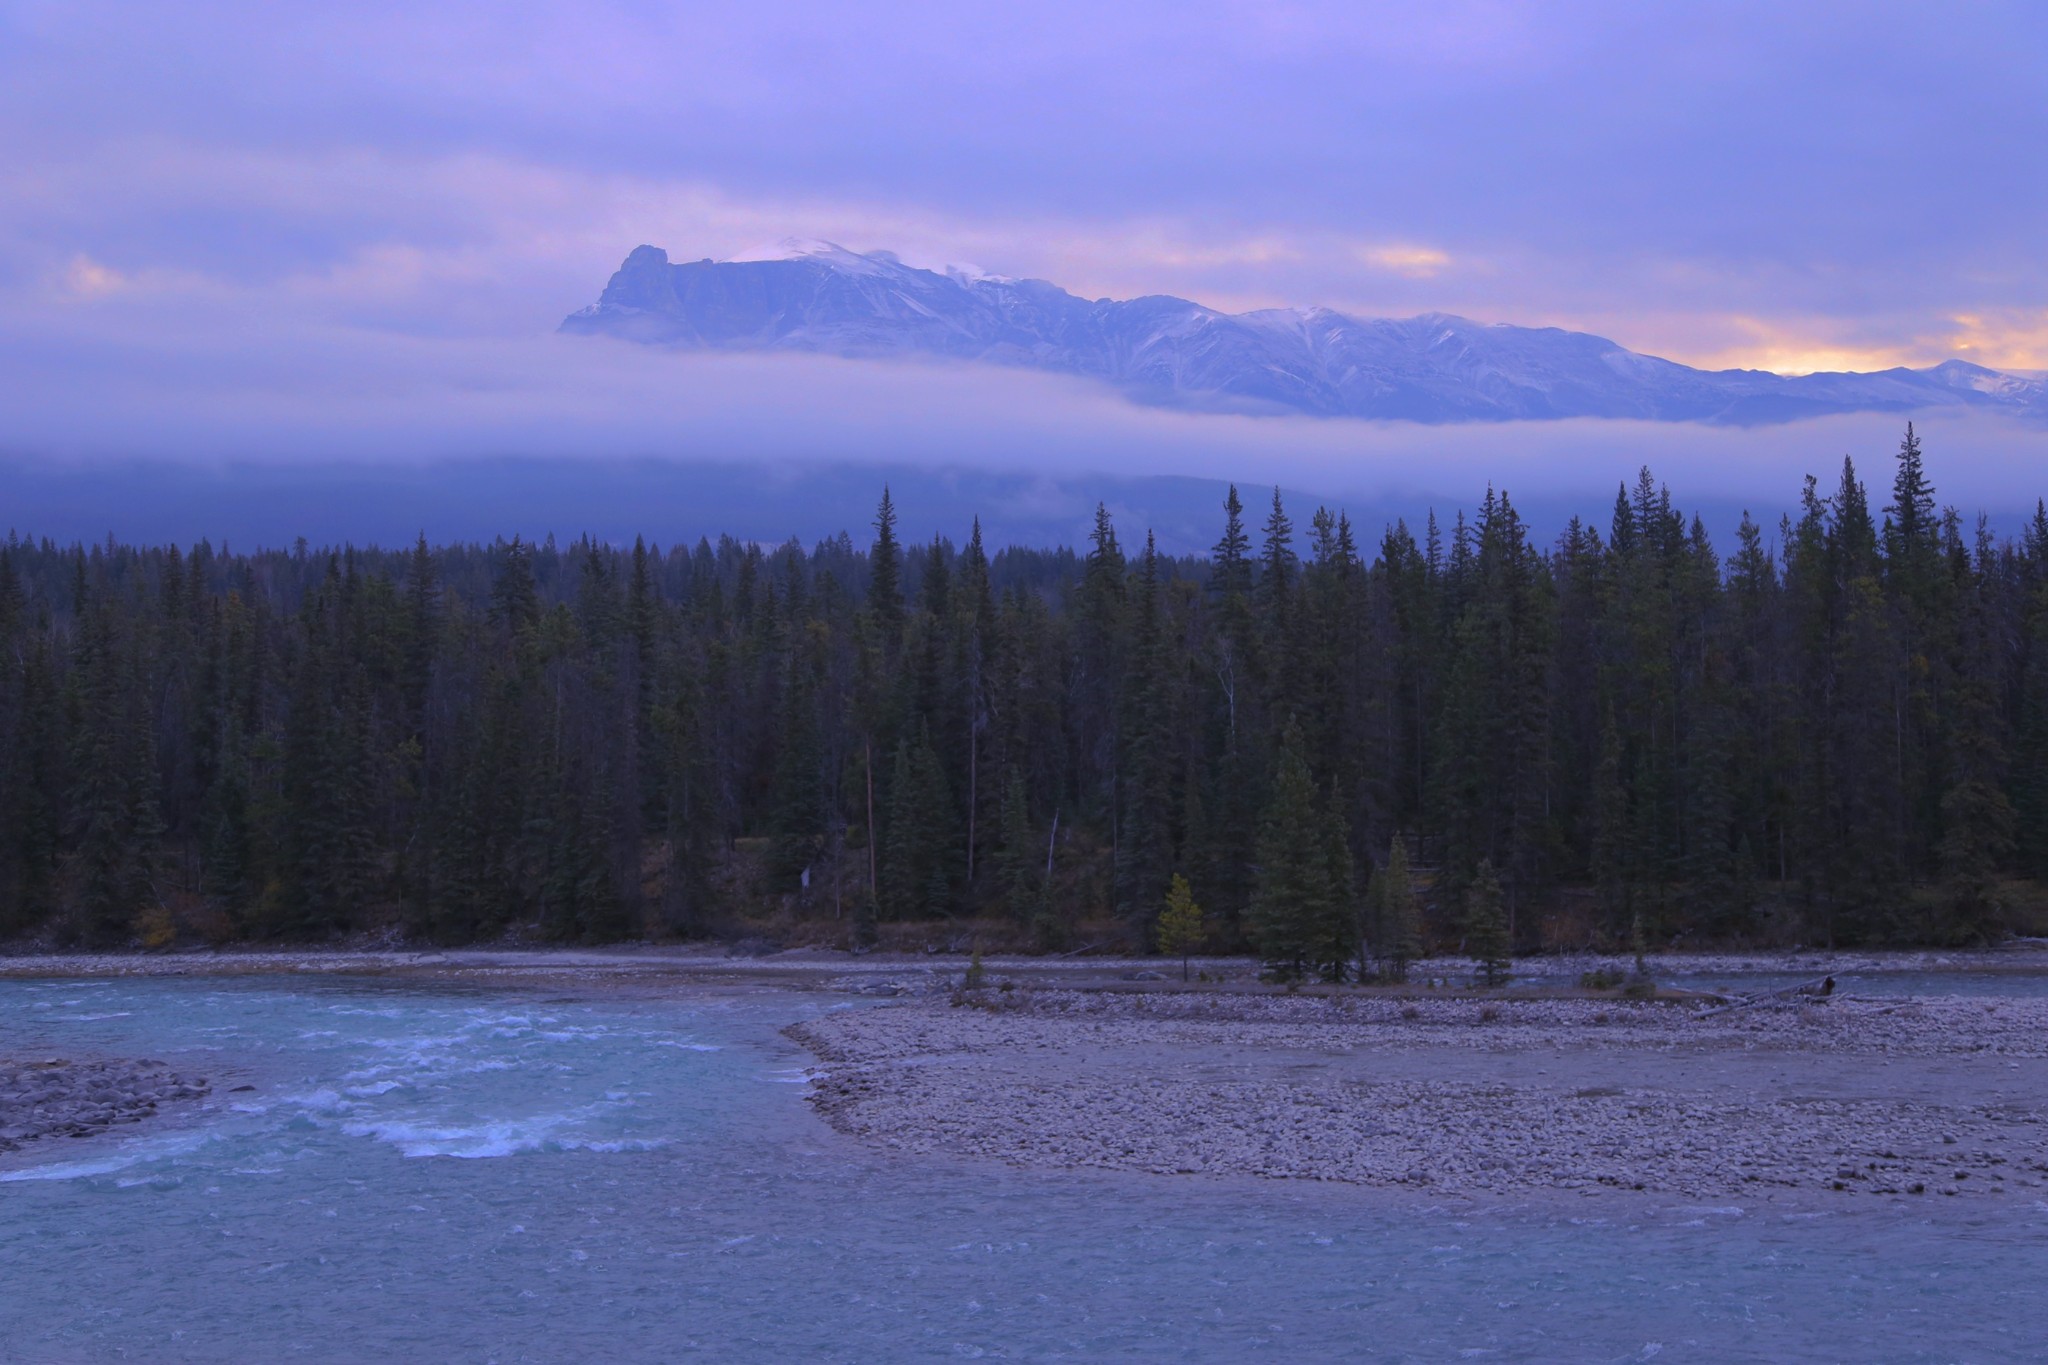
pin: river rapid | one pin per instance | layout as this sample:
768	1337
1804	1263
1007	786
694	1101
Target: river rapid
435	1172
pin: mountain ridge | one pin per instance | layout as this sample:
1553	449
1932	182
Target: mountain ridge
1436	367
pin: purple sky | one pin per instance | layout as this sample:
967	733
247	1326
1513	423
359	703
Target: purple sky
254	229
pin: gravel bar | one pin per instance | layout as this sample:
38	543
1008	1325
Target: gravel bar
57	1098
1482	1098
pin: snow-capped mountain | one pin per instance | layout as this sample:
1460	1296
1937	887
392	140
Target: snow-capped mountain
822	298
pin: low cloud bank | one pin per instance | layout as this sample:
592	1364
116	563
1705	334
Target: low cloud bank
81	394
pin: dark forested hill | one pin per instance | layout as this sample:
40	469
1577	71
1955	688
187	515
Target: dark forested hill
1839	731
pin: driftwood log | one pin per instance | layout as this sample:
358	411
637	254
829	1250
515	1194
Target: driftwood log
1804	993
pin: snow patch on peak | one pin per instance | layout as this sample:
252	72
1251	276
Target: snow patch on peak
831	254
1964	374
963	273
847	261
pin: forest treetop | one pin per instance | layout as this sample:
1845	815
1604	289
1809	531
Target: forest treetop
1838	732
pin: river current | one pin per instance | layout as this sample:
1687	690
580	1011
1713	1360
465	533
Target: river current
434	1173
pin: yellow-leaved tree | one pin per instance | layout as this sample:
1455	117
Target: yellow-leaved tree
1180	924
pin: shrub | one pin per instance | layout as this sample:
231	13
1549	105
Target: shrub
155	928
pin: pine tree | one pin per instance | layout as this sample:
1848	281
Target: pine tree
1337	943
1275	600
113	800
1020	862
885	576
515	599
799	816
32	772
975	635
1100	631
692	822
1612	830
1297	915
10	597
1976	815
1486	928
1398	916
2029	778
917	878
1144	846
1230	582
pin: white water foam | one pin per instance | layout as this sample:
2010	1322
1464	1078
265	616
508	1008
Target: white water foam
494	1138
129	1154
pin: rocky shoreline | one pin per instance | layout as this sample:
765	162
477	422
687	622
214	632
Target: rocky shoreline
819	965
55	1097
1458	1096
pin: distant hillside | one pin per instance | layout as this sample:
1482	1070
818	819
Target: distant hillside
824	299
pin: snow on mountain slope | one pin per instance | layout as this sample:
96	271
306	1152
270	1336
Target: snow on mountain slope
820	297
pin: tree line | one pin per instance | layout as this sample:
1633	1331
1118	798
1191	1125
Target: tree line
1351	754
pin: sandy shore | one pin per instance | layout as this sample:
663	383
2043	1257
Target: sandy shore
1910	1098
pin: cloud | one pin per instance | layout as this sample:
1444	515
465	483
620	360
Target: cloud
1807	346
87	278
478	243
1416	262
2003	339
196	369
1576	170
260	227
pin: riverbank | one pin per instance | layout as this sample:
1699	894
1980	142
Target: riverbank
1907	1098
1114	1063
923	973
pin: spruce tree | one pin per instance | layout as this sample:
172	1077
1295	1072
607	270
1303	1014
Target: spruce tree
917	880
1020	864
2029	771
1275	601
1295	914
1976	814
515	599
885	576
1486	928
799	815
1398	915
1335	942
1144	846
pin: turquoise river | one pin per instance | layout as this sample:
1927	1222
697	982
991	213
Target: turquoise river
437	1173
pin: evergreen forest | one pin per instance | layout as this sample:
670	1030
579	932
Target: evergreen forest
1354	752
